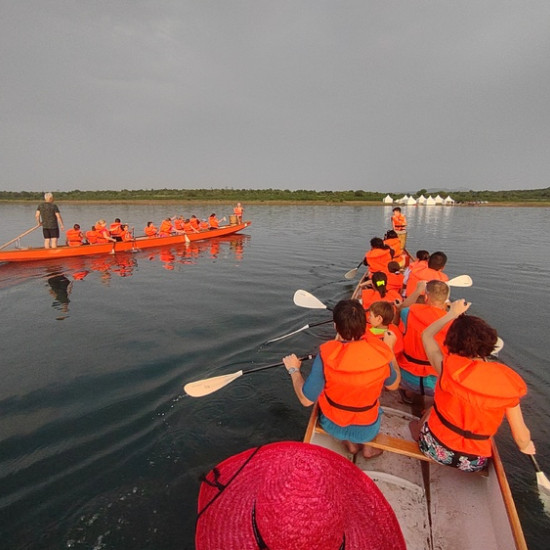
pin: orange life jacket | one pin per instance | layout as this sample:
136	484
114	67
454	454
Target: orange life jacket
354	378
370	295
203	225
398	346
413	357
194	222
91	236
165	228
238	211
424	274
399	222
188	227
395	281
471	397
395	245
378	259
74	237
214	222
101	235
126	235
115	229
178	224
150	230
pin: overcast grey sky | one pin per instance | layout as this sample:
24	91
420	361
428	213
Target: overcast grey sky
386	95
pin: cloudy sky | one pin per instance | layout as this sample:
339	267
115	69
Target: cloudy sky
381	95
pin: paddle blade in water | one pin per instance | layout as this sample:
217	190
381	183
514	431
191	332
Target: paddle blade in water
303	298
351	273
207	386
461	281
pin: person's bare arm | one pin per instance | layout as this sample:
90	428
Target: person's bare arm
292	361
520	431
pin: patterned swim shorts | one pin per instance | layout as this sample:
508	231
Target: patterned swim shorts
435	450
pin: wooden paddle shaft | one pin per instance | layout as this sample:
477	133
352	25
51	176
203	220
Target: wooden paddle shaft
19	236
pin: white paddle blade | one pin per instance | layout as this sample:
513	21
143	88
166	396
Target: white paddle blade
498	346
461	281
303	298
187	239
351	273
210	385
543	482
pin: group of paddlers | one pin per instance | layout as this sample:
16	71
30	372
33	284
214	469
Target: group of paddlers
409	337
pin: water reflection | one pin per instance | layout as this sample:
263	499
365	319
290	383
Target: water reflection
60	288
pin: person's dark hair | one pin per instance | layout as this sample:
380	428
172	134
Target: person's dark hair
350	320
149	223
76	226
384	309
422	255
471	336
380	283
397	208
437	261
117	220
391	234
377	242
393	267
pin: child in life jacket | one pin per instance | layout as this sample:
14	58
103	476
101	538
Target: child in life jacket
347	378
380	325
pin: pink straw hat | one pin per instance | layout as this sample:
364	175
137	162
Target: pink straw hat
293	496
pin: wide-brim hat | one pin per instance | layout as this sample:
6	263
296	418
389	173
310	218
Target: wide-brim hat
293	496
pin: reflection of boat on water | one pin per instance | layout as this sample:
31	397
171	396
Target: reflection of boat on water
123	264
60	288
140	243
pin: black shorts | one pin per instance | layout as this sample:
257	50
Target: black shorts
50	233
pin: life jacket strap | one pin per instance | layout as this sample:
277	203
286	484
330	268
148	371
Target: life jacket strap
415	360
467	434
349	408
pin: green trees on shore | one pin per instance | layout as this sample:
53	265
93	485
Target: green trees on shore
259	195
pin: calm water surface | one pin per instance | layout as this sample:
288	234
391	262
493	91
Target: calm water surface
100	448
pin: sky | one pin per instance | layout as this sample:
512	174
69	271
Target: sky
385	95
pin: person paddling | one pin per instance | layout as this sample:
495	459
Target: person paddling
472	396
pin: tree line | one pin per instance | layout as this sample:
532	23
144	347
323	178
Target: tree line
260	195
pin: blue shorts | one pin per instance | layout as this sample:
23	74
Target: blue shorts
424	385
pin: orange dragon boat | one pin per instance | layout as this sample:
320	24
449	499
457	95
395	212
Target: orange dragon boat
139	243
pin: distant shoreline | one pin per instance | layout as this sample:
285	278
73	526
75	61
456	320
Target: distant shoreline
541	204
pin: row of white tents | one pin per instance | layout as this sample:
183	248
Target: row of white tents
421	201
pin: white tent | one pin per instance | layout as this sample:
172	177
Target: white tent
403	200
438	200
388	200
411	201
449	200
421	200
430	201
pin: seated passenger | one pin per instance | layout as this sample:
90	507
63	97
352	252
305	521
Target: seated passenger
203	225
434	272
166	227
422	257
472	396
347	376
150	230
195	222
213	222
392	240
395	277
188	226
115	229
91	236
75	236
380	324
376	289
125	233
378	257
102	233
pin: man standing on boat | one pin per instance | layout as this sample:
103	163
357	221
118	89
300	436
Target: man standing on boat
399	224
48	216
239	211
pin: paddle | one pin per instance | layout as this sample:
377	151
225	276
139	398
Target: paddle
299	330
542	481
211	385
303	298
353	272
19	236
460	281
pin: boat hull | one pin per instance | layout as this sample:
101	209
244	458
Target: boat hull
40	254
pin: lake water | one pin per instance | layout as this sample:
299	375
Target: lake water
100	448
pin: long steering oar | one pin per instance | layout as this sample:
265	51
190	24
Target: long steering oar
19	236
353	272
207	386
303	298
460	281
305	327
